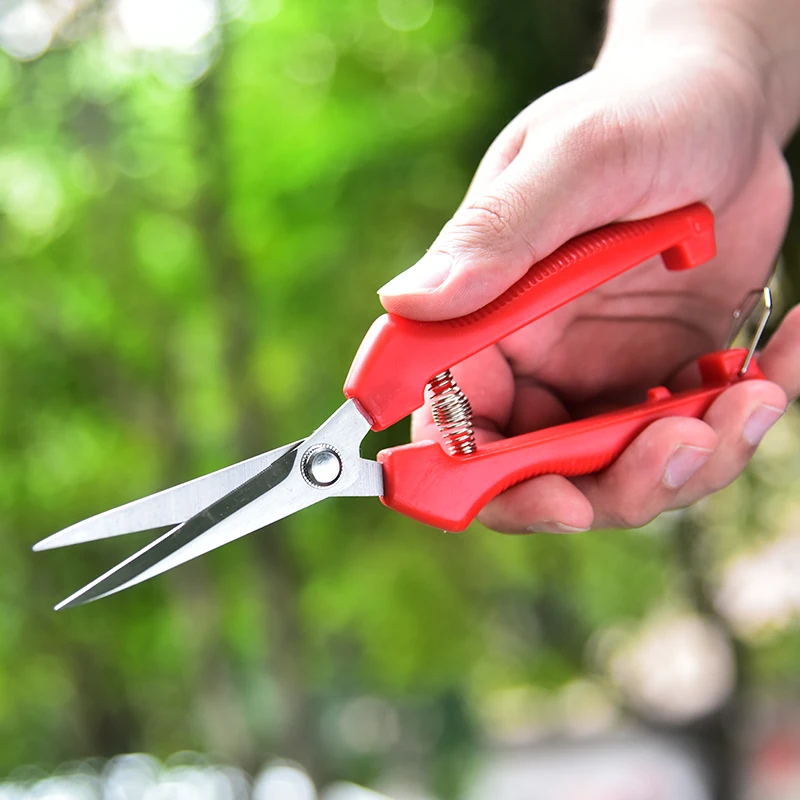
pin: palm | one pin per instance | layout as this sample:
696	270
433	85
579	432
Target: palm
640	330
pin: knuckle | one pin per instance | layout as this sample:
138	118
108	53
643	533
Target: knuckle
790	330
495	214
791	323
632	515
718	481
597	129
611	139
615	141
493	519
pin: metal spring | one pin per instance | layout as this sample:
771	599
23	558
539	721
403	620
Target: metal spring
452	414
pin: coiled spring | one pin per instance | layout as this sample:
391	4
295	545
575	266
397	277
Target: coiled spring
452	414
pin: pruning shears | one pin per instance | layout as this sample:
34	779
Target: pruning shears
441	484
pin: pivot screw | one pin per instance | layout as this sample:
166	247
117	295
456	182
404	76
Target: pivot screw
321	465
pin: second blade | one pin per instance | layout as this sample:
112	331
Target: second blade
156	557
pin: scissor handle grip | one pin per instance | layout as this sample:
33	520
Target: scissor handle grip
422	481
398	357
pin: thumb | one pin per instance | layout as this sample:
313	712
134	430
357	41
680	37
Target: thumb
582	165
480	252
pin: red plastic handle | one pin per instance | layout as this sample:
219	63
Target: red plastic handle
398	357
424	482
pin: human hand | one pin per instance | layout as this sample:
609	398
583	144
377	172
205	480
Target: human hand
625	141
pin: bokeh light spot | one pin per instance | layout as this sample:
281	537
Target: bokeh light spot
405	15
677	668
29	192
177	25
264	10
284	782
369	725
313	61
759	591
350	791
26	31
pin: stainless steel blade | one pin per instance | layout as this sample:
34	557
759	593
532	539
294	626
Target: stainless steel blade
281	489
186	539
167	507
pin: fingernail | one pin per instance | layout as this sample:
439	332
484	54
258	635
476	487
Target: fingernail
759	422
683	463
548	526
428	274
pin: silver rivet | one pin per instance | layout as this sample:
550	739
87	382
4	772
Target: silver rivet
322	466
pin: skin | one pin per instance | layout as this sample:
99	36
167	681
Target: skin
687	102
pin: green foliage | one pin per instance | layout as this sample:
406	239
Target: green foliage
187	270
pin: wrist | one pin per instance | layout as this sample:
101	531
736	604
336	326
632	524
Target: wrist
751	43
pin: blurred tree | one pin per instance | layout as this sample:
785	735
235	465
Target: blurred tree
194	213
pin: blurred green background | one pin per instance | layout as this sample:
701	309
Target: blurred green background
197	203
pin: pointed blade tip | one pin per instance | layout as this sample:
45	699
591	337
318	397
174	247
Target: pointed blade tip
79	598
59	539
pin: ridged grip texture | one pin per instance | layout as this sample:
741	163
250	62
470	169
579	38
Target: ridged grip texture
399	356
